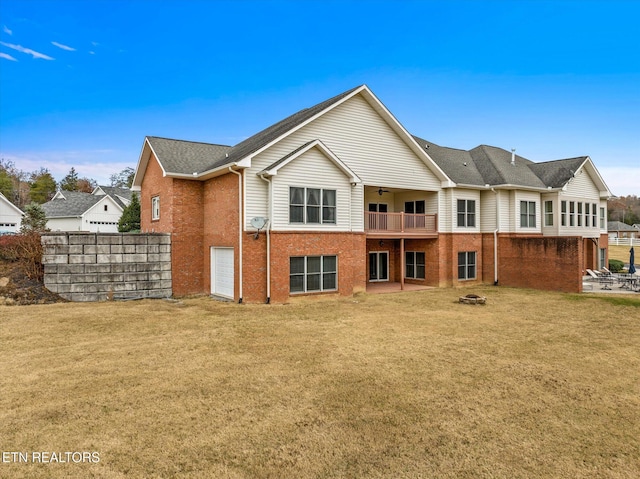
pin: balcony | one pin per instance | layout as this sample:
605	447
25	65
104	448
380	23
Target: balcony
400	225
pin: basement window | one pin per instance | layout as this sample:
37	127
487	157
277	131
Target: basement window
467	265
309	274
414	265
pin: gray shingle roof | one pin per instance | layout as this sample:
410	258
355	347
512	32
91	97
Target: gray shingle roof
75	204
620	226
116	193
187	157
489	165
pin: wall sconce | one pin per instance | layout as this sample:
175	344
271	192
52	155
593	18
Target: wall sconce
381	243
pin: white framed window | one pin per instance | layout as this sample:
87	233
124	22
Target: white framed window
579	213
602	217
414	264
467	265
527	214
603	258
548	213
466	213
594	215
587	214
563	213
313	273
312	205
572	213
155	208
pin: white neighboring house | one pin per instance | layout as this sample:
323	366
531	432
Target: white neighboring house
10	216
94	212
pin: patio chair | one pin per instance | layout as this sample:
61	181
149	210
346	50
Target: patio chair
605	280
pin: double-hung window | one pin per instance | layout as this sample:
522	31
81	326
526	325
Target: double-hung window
313	273
414	264
572	213
155	208
312	206
602	225
579	213
548	213
527	214
466	213
594	215
467	265
563	213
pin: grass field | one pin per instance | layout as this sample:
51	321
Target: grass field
621	253
410	385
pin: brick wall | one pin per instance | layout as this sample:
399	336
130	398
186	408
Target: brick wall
92	266
449	245
349	247
544	263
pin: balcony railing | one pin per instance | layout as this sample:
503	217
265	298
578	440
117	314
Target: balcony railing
401	223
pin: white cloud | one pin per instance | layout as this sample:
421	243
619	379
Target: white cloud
28	51
6	30
7	57
64	47
621	180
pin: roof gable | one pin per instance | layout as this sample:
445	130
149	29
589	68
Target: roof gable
69	203
272	169
10	205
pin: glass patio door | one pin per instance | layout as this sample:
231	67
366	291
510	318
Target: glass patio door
379	266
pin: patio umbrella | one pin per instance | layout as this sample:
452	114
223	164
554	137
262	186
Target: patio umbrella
632	268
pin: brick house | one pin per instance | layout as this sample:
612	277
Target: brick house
341	195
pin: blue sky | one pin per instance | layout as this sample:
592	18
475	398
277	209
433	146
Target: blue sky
82	82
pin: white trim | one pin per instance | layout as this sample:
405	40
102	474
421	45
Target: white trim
11	205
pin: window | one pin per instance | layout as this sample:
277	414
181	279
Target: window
527	214
106	207
414	264
313	273
467	265
579	214
312	205
572	213
602	225
155	208
587	214
603	258
563	213
466	213
594	213
548	213
415	207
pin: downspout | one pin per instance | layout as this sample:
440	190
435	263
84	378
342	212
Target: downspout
270	199
495	239
240	228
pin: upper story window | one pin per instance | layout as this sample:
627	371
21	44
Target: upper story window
548	213
466	213
527	214
155	208
572	213
602	224
594	215
563	213
579	213
106	207
312	205
415	207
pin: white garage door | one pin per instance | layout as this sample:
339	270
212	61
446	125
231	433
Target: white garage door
222	272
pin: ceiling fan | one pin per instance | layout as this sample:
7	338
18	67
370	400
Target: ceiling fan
380	191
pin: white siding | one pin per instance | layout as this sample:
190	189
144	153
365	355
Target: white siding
582	186
553	229
445	211
9	216
325	175
97	219
65	224
581	190
487	211
357	135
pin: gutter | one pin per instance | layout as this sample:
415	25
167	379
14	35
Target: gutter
495	239
240	227
267	232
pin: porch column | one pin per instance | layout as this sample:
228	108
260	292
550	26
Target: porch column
401	264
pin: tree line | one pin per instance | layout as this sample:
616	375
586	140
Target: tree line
23	188
625	209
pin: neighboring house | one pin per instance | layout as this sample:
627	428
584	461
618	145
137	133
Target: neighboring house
340	195
10	216
122	196
618	229
75	211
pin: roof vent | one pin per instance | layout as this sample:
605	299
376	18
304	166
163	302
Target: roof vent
513	156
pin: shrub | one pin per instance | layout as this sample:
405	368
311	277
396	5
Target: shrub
615	266
26	249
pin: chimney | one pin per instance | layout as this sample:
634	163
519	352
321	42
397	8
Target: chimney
513	156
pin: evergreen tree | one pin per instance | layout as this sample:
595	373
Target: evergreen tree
34	219
42	186
130	219
70	182
6	185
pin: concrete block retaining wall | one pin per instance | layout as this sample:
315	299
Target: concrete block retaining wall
96	266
